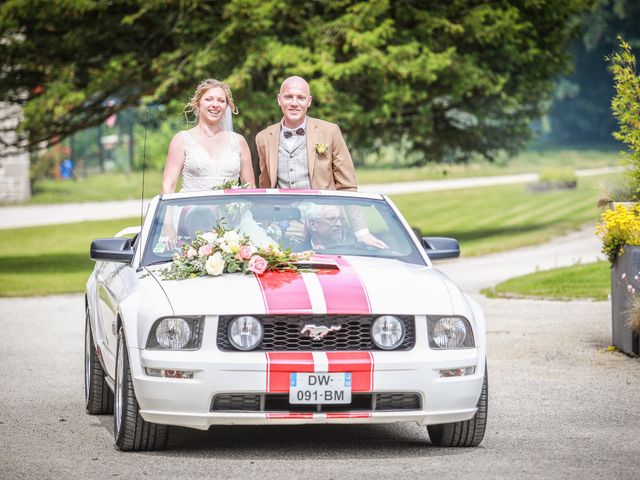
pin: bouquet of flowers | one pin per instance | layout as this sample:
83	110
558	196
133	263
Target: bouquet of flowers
226	251
230	184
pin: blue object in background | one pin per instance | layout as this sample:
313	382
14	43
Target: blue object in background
66	169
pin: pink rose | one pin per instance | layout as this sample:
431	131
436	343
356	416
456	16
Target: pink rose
257	264
205	250
246	251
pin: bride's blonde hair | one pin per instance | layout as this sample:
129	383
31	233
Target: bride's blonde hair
192	106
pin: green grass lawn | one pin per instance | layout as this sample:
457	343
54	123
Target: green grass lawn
98	188
55	259
51	259
589	281
123	186
525	162
492	219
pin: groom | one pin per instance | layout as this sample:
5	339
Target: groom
302	152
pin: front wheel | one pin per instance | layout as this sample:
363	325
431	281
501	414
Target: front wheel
468	433
98	399
131	431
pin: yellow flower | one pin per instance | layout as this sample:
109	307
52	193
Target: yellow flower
619	227
321	148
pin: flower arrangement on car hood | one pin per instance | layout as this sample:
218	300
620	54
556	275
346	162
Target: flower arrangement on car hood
226	251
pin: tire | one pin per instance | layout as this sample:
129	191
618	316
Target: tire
131	431
98	397
468	433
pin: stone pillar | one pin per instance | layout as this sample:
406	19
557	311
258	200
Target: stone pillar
14	166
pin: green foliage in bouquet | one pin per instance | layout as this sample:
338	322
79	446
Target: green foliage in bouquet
226	251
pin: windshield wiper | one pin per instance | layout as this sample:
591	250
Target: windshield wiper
158	262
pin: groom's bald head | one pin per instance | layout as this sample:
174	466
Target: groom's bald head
295	81
294	100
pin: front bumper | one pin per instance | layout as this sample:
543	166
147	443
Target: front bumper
188	402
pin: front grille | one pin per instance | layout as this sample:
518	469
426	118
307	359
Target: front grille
282	333
279	402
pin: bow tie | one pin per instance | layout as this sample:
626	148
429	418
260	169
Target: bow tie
289	133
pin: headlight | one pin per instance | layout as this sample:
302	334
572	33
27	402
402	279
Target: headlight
387	332
176	333
450	332
245	333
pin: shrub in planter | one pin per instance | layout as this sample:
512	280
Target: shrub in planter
619	231
620	226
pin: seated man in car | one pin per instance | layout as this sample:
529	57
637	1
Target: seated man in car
326	226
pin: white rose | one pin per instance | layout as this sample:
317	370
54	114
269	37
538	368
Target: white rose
232	237
191	253
215	264
210	237
224	246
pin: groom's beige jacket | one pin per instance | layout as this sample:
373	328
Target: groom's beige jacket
331	171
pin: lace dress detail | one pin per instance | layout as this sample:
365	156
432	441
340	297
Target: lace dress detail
202	171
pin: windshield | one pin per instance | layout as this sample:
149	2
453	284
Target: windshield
320	223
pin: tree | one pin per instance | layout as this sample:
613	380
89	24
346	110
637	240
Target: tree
626	109
456	78
581	112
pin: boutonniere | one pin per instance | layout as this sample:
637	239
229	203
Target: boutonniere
321	148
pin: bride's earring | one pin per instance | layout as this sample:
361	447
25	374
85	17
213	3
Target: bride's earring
235	110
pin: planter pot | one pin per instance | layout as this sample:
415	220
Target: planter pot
627	264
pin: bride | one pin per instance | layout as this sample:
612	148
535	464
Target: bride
210	153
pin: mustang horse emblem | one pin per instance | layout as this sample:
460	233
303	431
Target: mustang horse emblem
317	332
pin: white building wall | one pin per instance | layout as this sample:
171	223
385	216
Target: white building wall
14	168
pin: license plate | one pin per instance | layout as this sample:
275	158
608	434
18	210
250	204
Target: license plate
320	388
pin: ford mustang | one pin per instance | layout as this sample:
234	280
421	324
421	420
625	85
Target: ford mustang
347	332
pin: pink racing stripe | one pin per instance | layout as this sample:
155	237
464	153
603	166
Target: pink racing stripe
298	190
343	289
360	364
281	364
240	191
290	416
284	292
349	415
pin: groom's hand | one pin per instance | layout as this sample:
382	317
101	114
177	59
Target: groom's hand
370	241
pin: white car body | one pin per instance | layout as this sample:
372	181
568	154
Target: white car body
130	298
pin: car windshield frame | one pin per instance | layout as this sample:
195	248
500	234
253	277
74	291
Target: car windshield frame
386	211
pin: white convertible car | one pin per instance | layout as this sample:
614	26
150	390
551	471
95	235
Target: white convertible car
357	334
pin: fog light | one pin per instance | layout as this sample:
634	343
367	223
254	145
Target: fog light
186	374
387	332
169	373
245	332
457	372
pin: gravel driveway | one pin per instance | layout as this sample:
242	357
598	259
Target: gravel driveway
561	406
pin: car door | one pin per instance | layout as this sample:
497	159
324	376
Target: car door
111	291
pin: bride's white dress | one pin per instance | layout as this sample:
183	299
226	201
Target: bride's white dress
201	171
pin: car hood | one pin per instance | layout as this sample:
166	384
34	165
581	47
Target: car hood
335	285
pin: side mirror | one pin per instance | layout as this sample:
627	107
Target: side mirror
441	247
111	250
